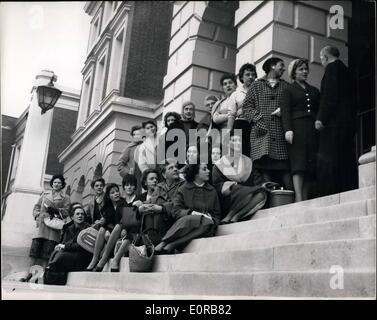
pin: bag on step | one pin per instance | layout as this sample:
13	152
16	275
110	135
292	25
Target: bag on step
141	252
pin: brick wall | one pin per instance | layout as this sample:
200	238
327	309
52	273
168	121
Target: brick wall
150	23
63	126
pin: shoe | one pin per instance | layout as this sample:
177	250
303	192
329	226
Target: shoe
98	269
26	278
89	269
114	270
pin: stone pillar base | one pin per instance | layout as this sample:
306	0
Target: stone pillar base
367	169
18	225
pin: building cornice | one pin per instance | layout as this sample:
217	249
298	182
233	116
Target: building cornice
90	5
110	106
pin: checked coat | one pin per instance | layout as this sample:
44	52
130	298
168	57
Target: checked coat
267	135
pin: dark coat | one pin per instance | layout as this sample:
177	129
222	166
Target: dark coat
159	224
337	165
190	198
112	217
299	109
297	103
266	135
337	102
72	257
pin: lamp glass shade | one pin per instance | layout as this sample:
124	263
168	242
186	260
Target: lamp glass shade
47	97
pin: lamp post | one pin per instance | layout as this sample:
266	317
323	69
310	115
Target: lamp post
48	95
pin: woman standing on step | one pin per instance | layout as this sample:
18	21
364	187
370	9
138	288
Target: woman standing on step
196	210
240	186
300	103
113	203
53	203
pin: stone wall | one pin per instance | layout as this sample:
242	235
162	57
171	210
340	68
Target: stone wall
288	30
202	48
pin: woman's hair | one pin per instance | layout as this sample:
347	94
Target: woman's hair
167	162
190	171
60	177
211	97
228	76
135	128
107	200
98	179
144	124
269	63
292	67
244	67
176	115
129	179
73	206
144	177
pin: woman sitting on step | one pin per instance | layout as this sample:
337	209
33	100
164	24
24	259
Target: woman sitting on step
113	203
68	256
196	210
237	183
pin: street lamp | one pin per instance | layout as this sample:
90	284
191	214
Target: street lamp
48	95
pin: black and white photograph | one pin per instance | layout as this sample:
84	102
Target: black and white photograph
201	152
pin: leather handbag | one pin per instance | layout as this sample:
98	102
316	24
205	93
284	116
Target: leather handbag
87	239
129	218
141	252
55	222
278	197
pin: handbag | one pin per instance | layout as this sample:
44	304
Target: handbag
141	252
129	217
87	239
55	222
278	197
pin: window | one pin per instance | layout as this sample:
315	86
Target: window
15	161
116	61
95	29
85	99
99	83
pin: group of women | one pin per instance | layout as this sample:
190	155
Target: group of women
277	142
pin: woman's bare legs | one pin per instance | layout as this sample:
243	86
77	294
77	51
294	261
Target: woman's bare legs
120	254
114	236
100	242
298	183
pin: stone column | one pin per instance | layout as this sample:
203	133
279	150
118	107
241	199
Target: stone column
367	169
18	224
288	30
202	48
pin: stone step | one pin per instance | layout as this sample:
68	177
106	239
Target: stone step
368	194
319	283
353	228
14	259
353	254
285	219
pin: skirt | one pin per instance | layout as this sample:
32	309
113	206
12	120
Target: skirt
303	151
42	248
267	163
189	222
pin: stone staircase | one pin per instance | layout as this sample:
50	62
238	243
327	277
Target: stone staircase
319	248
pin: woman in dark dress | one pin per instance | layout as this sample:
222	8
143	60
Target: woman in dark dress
68	255
261	107
196	210
300	102
238	184
110	218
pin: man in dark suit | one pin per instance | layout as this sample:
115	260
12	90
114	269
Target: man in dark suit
336	122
